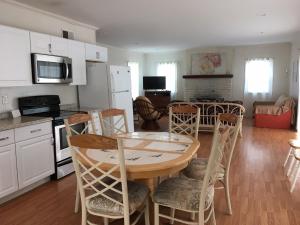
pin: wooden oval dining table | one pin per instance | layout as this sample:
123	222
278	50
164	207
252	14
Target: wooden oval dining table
148	155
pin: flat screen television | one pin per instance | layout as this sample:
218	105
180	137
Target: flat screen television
154	83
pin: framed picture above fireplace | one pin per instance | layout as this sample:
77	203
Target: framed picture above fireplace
208	63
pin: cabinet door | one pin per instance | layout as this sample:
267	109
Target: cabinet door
95	53
8	170
40	43
77	54
35	159
59	46
15	69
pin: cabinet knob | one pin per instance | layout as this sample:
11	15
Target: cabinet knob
50	47
3	139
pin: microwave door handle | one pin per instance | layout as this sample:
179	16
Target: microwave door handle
67	70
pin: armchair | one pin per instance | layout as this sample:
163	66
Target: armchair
279	114
148	113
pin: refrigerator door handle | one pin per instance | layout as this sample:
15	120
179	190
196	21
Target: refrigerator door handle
121	91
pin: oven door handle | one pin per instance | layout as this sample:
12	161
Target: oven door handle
64	162
57	137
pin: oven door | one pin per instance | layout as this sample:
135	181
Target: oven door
62	149
51	69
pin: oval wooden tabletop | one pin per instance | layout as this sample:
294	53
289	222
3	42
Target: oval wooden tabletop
147	154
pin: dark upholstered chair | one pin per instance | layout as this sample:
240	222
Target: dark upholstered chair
148	113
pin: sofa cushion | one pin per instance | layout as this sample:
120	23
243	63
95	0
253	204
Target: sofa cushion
281	100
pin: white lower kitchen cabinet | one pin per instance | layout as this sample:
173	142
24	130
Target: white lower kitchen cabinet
8	170
35	159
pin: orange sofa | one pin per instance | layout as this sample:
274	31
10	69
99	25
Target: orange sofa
279	114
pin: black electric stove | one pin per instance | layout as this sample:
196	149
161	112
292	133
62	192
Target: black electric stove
49	106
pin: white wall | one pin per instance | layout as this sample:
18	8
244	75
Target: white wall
281	56
294	78
235	60
27	18
151	61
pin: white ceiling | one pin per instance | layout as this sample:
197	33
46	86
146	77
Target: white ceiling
162	25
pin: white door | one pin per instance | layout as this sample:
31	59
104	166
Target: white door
59	46
15	69
40	43
123	100
120	78
77	54
8	170
35	159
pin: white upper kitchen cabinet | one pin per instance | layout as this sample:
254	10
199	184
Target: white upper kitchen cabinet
47	44
95	53
77	54
59	46
15	69
40	43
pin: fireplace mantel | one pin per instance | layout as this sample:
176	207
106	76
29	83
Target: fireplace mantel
207	76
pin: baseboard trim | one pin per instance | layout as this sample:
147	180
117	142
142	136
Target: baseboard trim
24	190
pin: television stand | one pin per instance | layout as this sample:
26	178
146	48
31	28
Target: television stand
160	99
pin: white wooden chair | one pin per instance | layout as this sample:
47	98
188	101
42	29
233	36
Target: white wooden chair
76	119
293	160
190	195
113	122
295	170
294	146
197	167
184	119
114	200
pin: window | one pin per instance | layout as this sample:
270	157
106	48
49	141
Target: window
259	76
169	70
135	78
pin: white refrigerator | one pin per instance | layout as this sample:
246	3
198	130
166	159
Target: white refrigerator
108	87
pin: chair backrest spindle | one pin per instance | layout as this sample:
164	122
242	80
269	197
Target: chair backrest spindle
184	119
113	122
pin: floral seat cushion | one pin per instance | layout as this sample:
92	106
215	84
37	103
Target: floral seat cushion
181	193
137	194
197	167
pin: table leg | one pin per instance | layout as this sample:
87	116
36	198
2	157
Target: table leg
149	182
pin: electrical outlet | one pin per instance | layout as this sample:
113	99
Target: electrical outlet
4	99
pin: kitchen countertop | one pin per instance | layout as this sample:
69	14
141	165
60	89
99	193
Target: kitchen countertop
72	107
11	123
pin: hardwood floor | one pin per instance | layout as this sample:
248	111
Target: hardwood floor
259	187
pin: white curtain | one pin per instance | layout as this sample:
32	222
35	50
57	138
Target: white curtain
135	79
258	82
259	76
169	70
